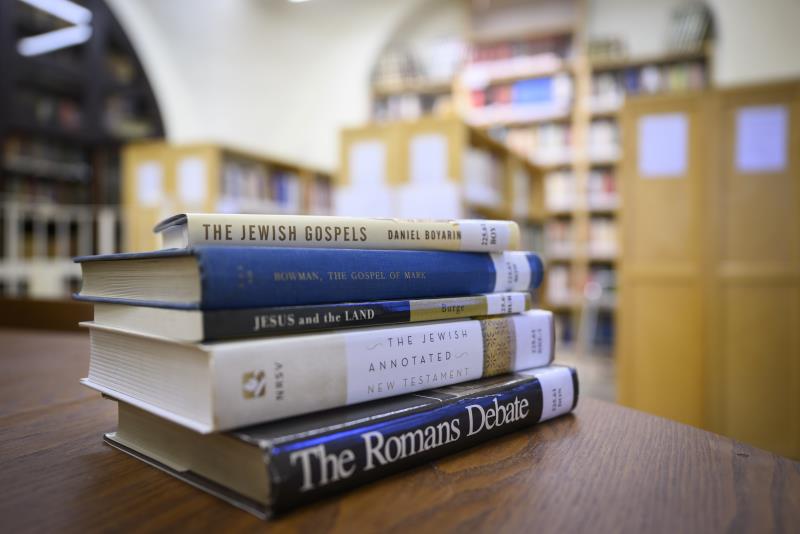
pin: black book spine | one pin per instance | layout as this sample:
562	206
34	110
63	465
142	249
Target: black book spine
308	469
259	322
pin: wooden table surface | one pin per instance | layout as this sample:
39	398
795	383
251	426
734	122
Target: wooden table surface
603	469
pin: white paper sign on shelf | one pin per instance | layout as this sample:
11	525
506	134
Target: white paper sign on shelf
367	163
149	184
428	155
761	133
663	145
192	181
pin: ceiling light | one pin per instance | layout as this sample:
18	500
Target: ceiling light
47	42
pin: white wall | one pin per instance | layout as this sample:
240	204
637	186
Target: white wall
642	25
757	40
266	75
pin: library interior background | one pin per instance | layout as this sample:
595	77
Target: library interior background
649	151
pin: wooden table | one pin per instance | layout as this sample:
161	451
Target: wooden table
604	469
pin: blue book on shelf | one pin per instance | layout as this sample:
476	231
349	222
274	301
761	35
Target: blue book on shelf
536	90
212	278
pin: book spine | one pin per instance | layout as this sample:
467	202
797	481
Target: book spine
243	323
251	277
263	380
312	468
350	232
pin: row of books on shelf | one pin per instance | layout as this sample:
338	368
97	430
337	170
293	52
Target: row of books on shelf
536	99
252	186
602	336
547	92
127	117
560	193
609	88
440	60
597	289
24	187
541	142
561	240
551	143
48	158
558	46
124	116
49	109
311	355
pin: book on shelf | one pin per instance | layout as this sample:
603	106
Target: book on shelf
271	468
225	385
214	277
216	325
559	190
602	237
602	190
192	229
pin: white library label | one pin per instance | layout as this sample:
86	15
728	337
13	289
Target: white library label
480	235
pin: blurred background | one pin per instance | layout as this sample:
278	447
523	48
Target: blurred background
649	150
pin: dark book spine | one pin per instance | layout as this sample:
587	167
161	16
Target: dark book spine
319	466
252	277
231	324
259	322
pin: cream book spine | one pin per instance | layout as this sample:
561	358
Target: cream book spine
311	231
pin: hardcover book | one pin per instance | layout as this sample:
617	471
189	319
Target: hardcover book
272	468
314	231
213	278
225	385
217	325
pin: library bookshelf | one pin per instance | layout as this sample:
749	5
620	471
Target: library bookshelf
64	115
444	157
710	270
545	95
160	179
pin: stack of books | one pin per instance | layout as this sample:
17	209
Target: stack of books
272	360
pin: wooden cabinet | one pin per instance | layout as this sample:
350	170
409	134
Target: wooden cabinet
160	179
661	318
710	285
754	307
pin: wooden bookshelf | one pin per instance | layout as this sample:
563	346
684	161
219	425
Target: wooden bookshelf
457	138
161	179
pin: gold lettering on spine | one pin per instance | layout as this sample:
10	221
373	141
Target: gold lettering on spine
499	346
437	309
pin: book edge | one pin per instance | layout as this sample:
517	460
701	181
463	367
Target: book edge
150	408
194	480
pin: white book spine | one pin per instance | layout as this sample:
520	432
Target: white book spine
259	381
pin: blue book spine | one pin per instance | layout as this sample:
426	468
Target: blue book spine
242	277
303	470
